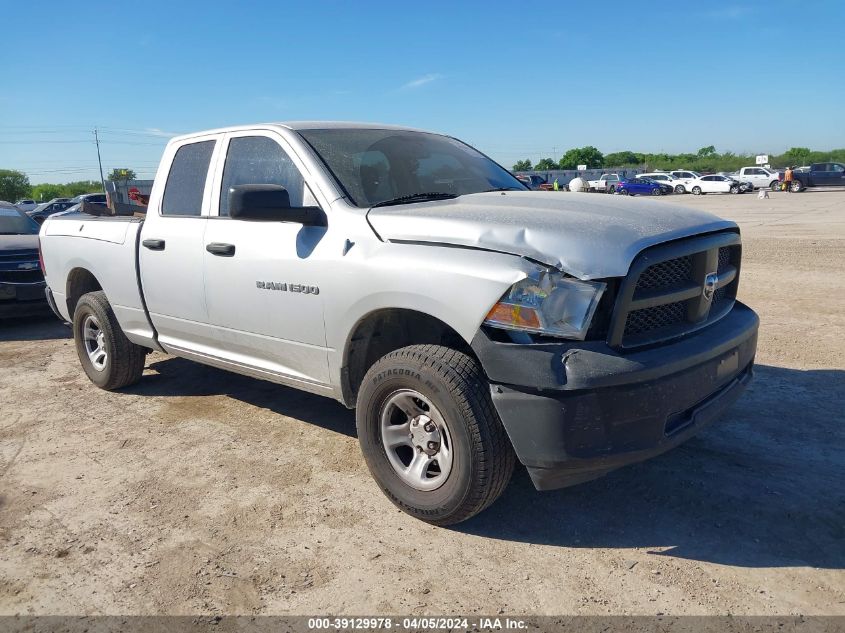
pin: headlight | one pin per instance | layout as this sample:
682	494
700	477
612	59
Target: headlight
548	303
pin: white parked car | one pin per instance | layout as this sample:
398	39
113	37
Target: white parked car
684	174
714	183
678	184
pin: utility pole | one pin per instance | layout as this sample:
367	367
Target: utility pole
99	160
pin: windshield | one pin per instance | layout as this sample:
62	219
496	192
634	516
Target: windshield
14	222
376	166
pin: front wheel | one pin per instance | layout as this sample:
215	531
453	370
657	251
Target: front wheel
680	189
735	189
110	360
774	185
430	435
656	192
696	191
796	186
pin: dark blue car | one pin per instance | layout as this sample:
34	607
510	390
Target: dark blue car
641	187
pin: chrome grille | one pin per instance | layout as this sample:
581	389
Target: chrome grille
675	289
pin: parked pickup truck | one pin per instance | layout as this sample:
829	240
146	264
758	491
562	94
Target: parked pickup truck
605	184
759	177
817	175
470	322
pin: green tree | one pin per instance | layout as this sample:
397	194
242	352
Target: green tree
46	191
79	187
121	174
13	185
545	164
620	159
589	156
522	165
797	156
706	152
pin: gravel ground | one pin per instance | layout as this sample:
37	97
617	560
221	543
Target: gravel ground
198	491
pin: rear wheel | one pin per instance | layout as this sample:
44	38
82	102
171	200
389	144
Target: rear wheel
796	186
734	188
110	360
623	191
430	435
696	191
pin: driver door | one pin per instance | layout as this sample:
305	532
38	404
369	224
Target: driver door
262	277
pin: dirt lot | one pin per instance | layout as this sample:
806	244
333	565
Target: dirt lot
198	491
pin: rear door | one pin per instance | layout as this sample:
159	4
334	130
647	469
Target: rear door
709	184
172	247
263	297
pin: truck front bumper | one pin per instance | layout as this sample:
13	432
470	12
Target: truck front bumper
576	411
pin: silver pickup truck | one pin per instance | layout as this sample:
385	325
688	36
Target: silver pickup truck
470	322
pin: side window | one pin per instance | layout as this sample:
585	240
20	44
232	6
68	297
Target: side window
186	180
837	168
259	160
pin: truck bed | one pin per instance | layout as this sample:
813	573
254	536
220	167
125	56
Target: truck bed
107	245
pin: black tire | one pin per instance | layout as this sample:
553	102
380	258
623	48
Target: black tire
657	192
696	191
796	186
482	456
680	189
735	189
124	362
623	191
774	185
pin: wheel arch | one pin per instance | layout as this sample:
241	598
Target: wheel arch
80	281
385	330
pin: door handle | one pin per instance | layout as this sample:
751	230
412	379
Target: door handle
220	249
154	245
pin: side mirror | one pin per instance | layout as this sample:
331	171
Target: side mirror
270	203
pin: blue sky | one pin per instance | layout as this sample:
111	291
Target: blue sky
514	79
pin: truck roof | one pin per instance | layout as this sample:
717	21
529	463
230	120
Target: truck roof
304	125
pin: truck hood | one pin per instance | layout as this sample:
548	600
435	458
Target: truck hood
589	236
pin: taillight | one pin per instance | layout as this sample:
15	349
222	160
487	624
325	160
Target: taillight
41	259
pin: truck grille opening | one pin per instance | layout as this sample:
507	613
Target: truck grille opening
648	319
666	274
675	289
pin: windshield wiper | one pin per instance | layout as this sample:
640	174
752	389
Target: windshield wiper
416	197
503	189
